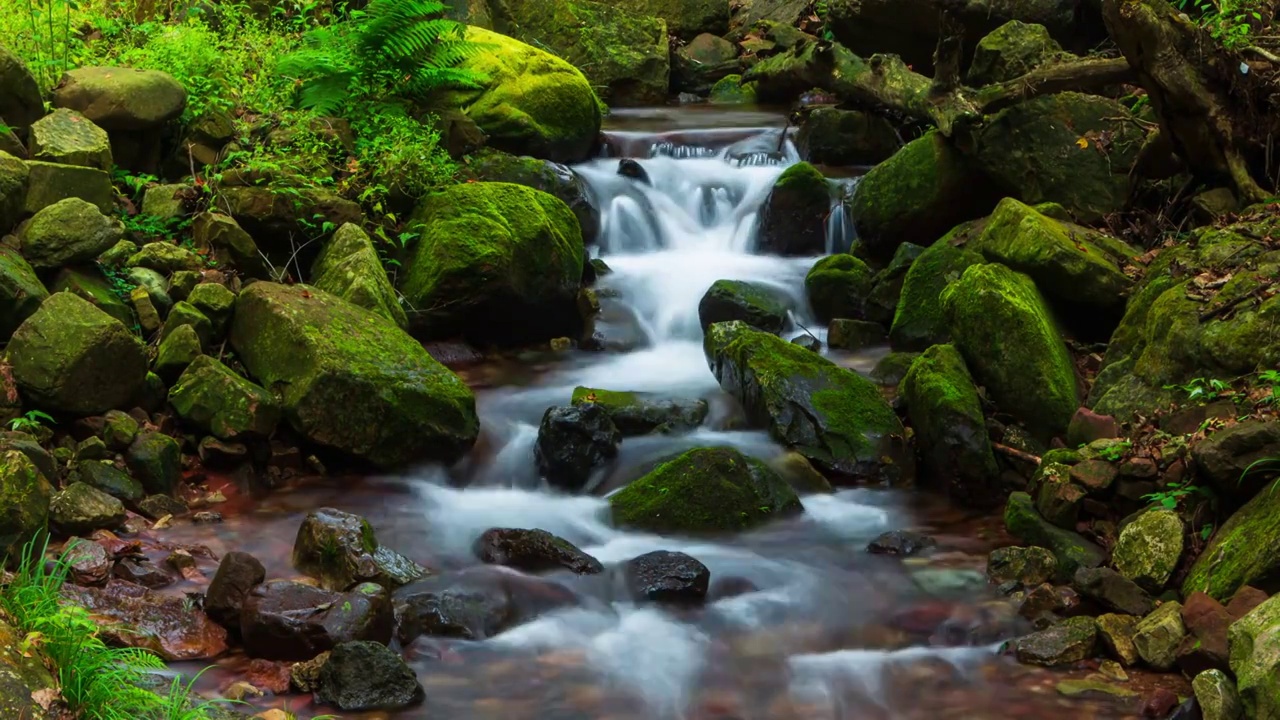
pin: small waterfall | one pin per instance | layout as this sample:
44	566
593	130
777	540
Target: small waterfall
841	234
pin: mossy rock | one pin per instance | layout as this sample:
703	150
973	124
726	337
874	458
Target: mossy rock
759	305
72	357
946	413
919	321
794	218
833	416
215	399
67	232
830	136
785	75
532	102
703	62
340	550
1011	51
1254	656
14	176
705	490
177	351
90	284
1071	550
166	258
110	480
349	379
1149	549
69	138
24	502
636	413
24	677
50	183
222	238
1241	552
214	300
21	292
838	286
731	90
892	368
685	18
81	509
846	334
156	460
184	314
118	98
549	177
1010	342
349	267
496	262
886	287
20	101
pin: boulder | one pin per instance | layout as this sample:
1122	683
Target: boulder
1066	643
1057	499
220	402
111	480
705	60
276	217
222	238
69	138
475	604
215	302
901	542
845	334
705	490
81	509
731	90
1254	642
90	284
1241	552
1116	633
165	258
24	499
549	177
1071	550
14	176
21	292
118	98
118	430
830	136
156	460
759	305
533	551
573	442
838	286
1217	696
1206	645
1011	51
289	621
72	357
361	676
168	626
1026	566
918	195
685	18
67	232
184	314
516	278
238	573
794	218
833	416
892	368
351	380
667	577
167	202
1113	591
340	550
20	101
918	321
641	413
349	268
532	102
946	413
1010	342
1149	548
1158	635
49	183
1234	459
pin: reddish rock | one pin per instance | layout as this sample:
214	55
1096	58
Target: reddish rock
267	675
89	563
284	620
142	571
1244	601
1041	606
1139	468
137	617
923	618
1087	426
237	574
1159	703
1205	646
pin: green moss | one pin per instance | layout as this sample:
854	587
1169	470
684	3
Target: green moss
349	267
215	399
918	321
186	314
1010	51
89	284
837	287
1240	552
730	90
756	304
24	501
1071	550
707	490
20	290
893	367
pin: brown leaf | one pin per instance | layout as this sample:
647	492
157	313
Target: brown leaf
44	697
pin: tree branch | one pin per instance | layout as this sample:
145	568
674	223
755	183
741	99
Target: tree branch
1059	77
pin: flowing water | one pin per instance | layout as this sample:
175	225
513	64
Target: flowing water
802	623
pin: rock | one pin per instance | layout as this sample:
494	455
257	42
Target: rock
1240	552
705	490
14	176
916	196
837	287
685	18
274	217
20	290
1254	646
80	509
110	480
349	267
1057	499
177	351
66	232
141	571
1095	476
833	416
533	102
846	137
228	244
156	460
515	280
20	101
122	98
731	90
667	577
167	202
892	368
1244	601
290	621
794	218
305	676
215	302
156	287
69	138
129	615
50	183
1071	550
238	573
642	413
339	550
92	448
71	357
843	334
886	287
475	604
365	675
349	379
1034	151
1000	324
1027	566
1159	634
1011	51
91	285
1116	633
533	551
1113	591
185	314
1076	688
1217	696
24	497
946	413
1087	426
1206	644
705	60
1149	549
156	507
119	429
1232	459
762	306
166	258
1066	643
573	442
215	399
88	562
918	321
901	542
549	177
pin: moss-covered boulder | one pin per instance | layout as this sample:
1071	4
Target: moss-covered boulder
1000	323
1241	552
886	287
731	90
918	195
1071	550
21	292
705	490
72	357
14	176
833	416
1048	150
685	18
830	136
495	262
1010	51
349	267
1066	643
49	183
636	413
184	314
24	676
340	550
1149	549
67	137
794	218
156	460
215	399
351	380
222	238
111	480
946	414
177	351
166	258
24	502
20	101
757	304
81	509
118	98
215	301
549	177
532	102
704	61
90	284
1254	655
276	217
838	286
67	232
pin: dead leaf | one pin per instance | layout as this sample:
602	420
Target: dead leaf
44	697
1082	143
163	523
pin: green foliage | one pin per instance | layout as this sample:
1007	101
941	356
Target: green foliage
1201	388
1271	380
31	420
1115	451
1234	23
1173	495
47	40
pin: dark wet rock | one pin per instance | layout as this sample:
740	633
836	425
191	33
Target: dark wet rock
1095	476
838	287
901	542
134	616
573	442
88	562
630	168
1058	500
1116	634
1159	634
141	571
1087	426
1228	457
794	218
363	675
1149	549
340	549
845	334
533	551
80	509
808	342
155	459
1113	591
237	575
158	506
760	305
283	620
110	480
1206	645
217	454
1026	566
25	498
703	62
474	604
1042	605
1068	642
667	577
1071	550
724	588
92	448
830	136
643	413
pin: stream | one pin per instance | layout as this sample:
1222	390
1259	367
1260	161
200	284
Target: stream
802	622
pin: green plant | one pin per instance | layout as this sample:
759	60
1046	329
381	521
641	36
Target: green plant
1271	379
1201	388
1115	451
1262	465
31	420
49	40
1173	495
1231	22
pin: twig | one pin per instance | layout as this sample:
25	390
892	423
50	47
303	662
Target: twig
1219	312
1264	54
1015	453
